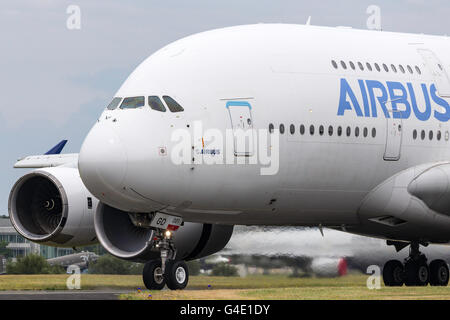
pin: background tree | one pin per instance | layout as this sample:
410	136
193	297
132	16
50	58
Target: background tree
224	270
194	267
108	264
32	264
3	250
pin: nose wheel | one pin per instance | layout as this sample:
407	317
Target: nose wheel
153	276
175	275
415	271
167	270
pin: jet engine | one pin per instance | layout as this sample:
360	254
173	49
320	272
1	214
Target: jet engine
329	267
53	207
127	240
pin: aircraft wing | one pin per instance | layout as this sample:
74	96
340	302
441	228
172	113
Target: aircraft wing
52	158
45	161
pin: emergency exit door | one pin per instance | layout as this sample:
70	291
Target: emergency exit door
437	70
242	124
393	136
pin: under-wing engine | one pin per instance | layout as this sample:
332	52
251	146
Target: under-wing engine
52	206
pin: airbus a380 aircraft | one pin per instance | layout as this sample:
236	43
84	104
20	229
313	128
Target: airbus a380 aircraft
358	140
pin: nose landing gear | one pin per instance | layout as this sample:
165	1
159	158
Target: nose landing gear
415	271
167	270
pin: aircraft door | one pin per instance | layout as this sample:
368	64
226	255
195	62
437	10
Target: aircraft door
242	124
437	70
393	137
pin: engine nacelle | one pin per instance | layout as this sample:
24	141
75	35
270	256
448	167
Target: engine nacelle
329	267
121	238
53	207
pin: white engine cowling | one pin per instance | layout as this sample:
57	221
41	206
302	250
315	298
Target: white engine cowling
329	267
53	207
121	238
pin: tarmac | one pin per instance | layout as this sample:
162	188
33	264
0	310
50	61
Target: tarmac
61	295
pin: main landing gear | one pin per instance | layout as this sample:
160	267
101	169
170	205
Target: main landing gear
167	270
415	271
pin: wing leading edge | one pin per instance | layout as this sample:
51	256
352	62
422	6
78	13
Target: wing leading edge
52	158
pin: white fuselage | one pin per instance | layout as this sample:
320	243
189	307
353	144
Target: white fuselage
286	74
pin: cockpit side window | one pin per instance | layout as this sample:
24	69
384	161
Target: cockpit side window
156	104
172	104
114	103
132	103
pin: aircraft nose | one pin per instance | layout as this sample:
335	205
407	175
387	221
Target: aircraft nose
102	161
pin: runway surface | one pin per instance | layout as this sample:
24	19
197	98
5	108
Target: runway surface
61	295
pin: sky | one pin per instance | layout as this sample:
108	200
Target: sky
55	81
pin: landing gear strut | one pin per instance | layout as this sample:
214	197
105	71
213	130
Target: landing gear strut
167	270
415	270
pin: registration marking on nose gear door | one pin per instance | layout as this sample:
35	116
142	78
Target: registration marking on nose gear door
165	221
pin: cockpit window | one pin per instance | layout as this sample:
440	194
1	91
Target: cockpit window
172	104
132	103
156	104
114	103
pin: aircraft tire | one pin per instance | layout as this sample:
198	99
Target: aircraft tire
393	273
439	273
152	275
417	273
176	275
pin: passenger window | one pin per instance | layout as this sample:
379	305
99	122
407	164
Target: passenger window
343	65
172	104
321	130
377	67
356	131
369	66
271	127
302	129
430	135
349	131
401	68
114	103
339	131
292	129
374	132
365	132
156	104
360	65
330	131
132	103
410	70
418	70
415	134
352	65
422	134
282	128
334	64
385	68
393	68
311	130
438	136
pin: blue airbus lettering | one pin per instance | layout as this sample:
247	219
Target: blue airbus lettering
376	97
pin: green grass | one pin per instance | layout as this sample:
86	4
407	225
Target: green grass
352	287
58	282
251	287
